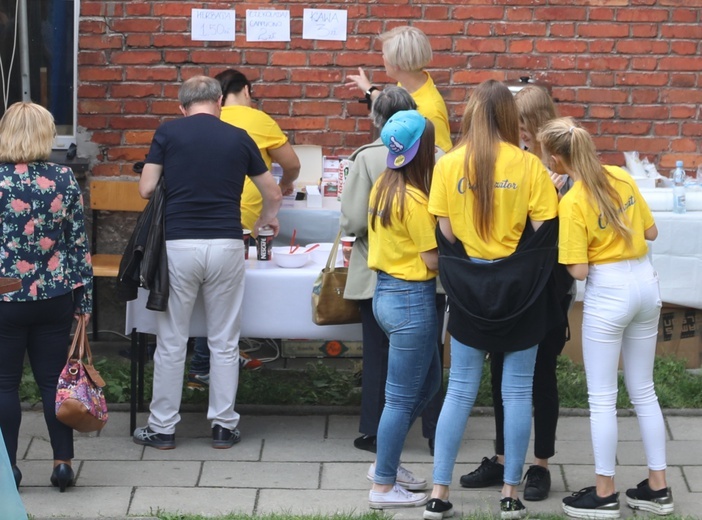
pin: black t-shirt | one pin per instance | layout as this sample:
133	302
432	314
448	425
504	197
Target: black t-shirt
205	162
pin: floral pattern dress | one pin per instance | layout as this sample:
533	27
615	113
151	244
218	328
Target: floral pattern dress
44	242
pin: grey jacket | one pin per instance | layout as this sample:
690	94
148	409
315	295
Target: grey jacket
368	163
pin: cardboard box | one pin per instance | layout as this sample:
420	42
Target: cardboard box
678	334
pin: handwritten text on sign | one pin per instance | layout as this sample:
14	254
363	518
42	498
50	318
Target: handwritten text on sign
324	24
213	25
267	25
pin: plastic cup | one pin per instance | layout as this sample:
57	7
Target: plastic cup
247	238
264	244
346	248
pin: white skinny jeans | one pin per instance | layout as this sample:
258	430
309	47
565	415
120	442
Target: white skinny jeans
621	309
215	267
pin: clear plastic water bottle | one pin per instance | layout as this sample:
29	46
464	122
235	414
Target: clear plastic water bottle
678	188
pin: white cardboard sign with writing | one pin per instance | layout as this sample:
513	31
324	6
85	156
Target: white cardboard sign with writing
324	24
267	25
214	25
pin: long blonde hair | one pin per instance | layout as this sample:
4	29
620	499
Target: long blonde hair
27	132
575	147
535	109
490	117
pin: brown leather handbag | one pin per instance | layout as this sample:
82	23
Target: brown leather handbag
328	304
80	402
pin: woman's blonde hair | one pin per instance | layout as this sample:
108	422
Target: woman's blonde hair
535	109
406	48
27	132
489	118
574	146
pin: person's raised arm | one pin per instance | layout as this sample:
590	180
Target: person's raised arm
272	198
149	179
287	158
361	81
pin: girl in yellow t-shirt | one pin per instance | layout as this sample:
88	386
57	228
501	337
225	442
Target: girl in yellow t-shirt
485	193
402	248
604	225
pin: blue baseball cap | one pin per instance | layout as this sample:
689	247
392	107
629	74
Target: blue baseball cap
401	134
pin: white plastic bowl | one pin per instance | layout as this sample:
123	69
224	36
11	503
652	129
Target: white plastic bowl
283	258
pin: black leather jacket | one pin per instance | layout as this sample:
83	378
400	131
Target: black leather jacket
144	262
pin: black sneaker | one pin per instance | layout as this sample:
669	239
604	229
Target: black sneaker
489	473
644	498
436	509
586	504
512	508
538	483
365	442
147	437
223	438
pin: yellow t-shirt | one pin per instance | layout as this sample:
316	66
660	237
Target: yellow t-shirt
523	189
432	106
584	238
395	249
266	134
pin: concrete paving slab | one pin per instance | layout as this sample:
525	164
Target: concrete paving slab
678	453
290	449
684	428
274	427
290	475
693	478
206	501
573	429
191	448
315	502
118	424
37	473
572	452
77	502
142	473
91	448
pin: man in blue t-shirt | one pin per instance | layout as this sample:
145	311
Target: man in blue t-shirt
204	162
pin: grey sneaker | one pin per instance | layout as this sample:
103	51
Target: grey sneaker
147	437
223	438
642	497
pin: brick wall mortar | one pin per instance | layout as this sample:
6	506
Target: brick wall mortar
630	69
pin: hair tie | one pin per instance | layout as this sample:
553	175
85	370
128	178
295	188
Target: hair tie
570	130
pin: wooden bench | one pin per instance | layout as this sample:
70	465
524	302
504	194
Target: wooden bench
109	195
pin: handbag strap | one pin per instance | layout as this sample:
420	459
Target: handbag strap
331	261
80	347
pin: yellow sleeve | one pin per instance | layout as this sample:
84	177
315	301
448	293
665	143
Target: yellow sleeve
543	200
572	233
271	134
421	225
438	200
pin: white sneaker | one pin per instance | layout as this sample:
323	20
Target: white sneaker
396	497
405	478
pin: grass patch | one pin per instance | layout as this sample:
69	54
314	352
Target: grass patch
320	384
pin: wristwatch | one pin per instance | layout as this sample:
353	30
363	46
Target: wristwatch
368	99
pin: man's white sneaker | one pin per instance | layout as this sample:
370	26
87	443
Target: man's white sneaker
405	478
396	497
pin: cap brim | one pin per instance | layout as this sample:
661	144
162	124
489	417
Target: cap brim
395	161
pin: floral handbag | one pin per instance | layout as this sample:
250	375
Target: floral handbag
80	402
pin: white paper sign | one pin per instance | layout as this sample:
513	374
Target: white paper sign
267	25
324	24
215	25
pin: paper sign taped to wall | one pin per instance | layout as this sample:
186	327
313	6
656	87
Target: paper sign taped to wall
214	25
324	24
267	25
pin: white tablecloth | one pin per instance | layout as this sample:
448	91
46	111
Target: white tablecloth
277	304
677	256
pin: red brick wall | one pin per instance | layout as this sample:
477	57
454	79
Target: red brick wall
628	69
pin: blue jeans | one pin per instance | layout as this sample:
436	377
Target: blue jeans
464	380
200	362
406	311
